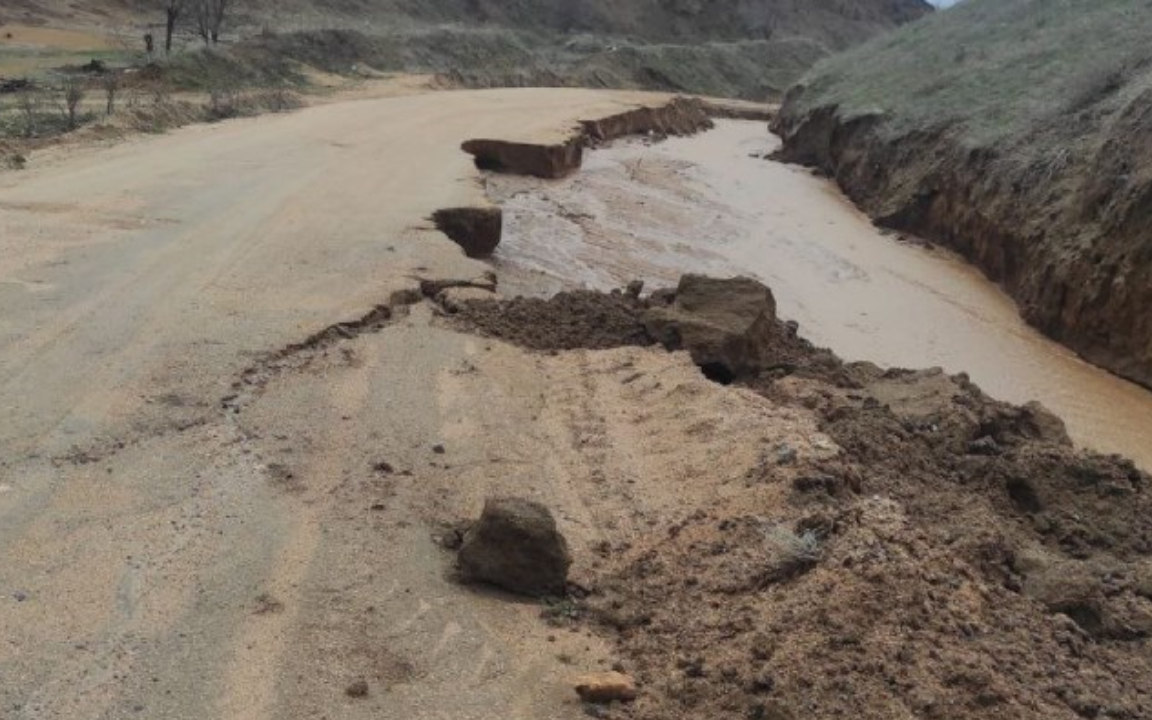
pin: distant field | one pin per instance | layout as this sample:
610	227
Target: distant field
26	50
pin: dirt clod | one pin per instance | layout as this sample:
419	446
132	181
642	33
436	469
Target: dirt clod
475	229
515	545
728	325
357	689
569	320
606	687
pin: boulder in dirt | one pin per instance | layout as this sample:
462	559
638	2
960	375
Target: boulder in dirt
726	324
606	687
515	545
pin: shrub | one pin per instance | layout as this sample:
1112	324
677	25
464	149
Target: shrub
790	553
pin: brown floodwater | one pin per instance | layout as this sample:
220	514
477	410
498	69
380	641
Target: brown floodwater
712	203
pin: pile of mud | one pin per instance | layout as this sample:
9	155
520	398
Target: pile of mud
956	558
570	320
584	319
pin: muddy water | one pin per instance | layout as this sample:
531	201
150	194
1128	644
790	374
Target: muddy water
712	203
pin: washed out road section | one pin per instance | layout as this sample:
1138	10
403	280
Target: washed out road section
715	203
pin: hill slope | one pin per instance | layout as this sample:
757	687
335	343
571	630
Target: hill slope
750	48
1019	133
833	23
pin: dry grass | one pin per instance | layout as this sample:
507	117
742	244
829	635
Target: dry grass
998	69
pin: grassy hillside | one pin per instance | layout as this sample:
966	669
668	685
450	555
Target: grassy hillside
833	23
1018	132
998	68
744	48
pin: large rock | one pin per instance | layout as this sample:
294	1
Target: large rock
476	229
726	324
515	545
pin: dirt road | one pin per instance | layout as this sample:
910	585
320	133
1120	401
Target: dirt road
174	547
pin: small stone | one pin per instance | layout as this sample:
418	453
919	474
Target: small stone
438	448
635	288
1143	582
357	689
761	683
695	668
607	687
454	300
785	454
19	596
984	446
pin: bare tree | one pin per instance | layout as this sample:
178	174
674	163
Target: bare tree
71	95
28	104
172	11
210	16
111	83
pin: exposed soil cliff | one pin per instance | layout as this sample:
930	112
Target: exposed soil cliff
478	230
678	117
1041	180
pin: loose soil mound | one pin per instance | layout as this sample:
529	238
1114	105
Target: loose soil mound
595	320
955	558
570	320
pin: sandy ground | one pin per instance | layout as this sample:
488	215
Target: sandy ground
713	203
173	548
204	515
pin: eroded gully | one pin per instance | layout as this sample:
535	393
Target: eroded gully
713	203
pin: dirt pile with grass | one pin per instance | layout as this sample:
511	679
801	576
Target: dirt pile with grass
949	556
1016	133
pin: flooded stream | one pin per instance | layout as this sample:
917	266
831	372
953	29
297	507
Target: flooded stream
713	204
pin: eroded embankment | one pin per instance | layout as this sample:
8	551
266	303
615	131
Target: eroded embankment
478	229
951	556
681	116
1067	239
